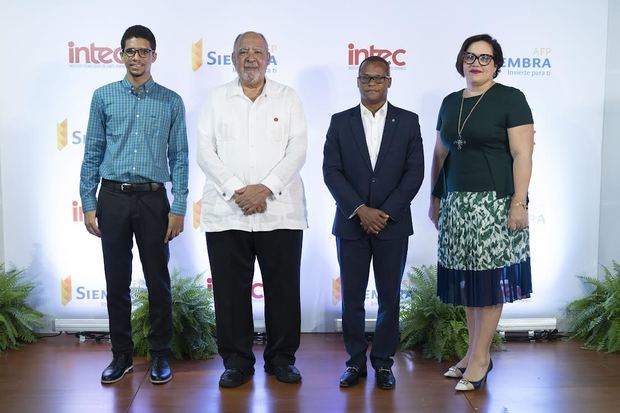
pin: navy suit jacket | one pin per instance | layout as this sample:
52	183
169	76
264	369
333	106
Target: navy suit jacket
393	183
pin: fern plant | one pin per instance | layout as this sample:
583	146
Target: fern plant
17	318
439	329
193	319
596	317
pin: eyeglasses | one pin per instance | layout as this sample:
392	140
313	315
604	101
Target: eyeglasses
483	59
141	52
377	79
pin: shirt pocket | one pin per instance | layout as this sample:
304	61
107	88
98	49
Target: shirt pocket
158	125
157	133
276	127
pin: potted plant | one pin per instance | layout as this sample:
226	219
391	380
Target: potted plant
193	319
595	318
438	329
17	319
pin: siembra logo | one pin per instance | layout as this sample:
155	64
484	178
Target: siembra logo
93	56
62	135
395	58
216	58
537	65
197	209
371	297
82	293
65	290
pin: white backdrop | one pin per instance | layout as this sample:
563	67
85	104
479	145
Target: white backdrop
57	53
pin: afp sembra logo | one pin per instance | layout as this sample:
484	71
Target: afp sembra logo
538	64
68	292
219	58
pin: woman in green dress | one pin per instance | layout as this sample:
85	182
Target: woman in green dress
481	170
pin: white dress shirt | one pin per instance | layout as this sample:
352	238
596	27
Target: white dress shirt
373	129
240	143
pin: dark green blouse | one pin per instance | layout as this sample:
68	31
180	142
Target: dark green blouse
484	162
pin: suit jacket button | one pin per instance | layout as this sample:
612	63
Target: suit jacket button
373	180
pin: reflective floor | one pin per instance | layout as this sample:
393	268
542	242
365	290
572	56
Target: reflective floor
62	375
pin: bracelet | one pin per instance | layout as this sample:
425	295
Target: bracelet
519	203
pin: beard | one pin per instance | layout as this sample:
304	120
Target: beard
251	77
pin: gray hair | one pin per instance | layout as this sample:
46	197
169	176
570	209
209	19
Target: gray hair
238	38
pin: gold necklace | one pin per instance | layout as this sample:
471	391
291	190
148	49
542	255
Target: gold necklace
460	142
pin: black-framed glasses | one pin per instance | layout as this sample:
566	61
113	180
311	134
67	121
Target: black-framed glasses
377	79
483	59
131	52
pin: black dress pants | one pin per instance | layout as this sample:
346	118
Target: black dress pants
232	255
389	258
120	216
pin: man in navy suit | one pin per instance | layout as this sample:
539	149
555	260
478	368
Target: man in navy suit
373	165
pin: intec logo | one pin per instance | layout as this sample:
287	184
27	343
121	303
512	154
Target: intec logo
76	212
395	58
65	290
93	56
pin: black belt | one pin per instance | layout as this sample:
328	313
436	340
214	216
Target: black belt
129	187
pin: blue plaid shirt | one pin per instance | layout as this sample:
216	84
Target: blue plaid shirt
135	138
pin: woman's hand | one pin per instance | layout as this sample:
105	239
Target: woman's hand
517	217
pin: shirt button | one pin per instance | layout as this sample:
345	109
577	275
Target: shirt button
223	193
134	168
135	151
137	116
136	133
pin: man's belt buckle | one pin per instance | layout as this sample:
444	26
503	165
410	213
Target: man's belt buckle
125	187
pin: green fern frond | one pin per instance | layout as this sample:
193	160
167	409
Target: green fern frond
439	329
17	318
595	318
193	319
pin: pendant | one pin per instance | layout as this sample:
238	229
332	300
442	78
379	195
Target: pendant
460	142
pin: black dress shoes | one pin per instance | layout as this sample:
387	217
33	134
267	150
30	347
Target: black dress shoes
385	379
235	377
285	374
351	376
120	365
160	370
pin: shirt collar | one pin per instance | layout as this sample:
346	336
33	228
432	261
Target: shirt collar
382	112
146	86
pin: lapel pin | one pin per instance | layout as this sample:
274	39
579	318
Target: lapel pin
393	120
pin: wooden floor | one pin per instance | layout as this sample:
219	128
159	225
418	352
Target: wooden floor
61	375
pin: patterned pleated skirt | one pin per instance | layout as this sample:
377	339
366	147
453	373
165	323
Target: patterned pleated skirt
480	261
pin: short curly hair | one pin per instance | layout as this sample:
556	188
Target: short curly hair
498	55
139	32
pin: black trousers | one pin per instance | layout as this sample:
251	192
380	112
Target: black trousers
388	257
232	255
120	216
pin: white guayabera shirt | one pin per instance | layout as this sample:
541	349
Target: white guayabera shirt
240	143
